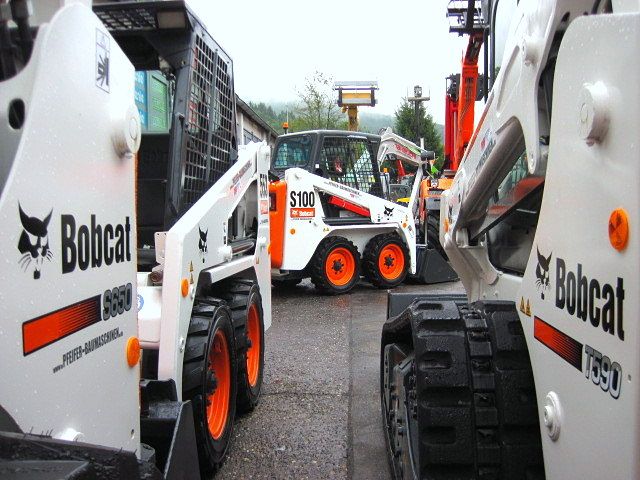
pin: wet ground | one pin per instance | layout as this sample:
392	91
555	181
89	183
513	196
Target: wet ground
319	414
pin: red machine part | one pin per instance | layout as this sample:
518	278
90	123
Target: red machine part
339	202
460	106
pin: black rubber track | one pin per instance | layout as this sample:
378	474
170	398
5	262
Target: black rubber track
208	315
238	294
433	236
467	395
371	255
316	265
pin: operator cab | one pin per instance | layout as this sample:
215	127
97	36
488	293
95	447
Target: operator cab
185	97
348	158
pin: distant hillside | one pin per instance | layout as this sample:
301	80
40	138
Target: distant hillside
274	113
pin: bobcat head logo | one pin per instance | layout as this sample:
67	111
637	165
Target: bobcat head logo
542	273
202	243
388	211
34	242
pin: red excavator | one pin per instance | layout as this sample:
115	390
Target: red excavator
463	90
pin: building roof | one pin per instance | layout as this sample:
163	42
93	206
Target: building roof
249	112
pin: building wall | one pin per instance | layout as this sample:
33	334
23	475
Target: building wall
251	127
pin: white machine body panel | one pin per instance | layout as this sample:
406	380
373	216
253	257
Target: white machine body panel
578	296
67	284
188	258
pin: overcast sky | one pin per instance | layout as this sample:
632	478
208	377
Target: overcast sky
276	44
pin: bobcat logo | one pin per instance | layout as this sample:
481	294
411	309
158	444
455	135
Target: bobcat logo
202	242
34	242
388	211
542	272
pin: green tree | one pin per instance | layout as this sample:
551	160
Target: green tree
413	127
273	117
318	105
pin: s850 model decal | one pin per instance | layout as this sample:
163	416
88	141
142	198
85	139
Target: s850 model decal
47	329
117	301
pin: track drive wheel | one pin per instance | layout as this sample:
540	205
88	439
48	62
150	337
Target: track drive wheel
209	380
244	300
386	260
335	267
458	396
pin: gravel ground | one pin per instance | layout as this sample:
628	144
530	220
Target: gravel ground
319	414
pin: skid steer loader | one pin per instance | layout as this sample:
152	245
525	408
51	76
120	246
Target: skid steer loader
535	371
335	214
135	285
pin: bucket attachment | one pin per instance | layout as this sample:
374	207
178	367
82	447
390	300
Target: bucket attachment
432	267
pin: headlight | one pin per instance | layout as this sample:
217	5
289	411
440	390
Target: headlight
433	183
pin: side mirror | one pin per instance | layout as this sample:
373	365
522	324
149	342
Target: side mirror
427	155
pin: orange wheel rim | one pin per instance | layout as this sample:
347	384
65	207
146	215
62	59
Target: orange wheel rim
253	352
218	401
340	266
391	261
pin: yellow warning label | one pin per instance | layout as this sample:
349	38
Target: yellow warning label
525	307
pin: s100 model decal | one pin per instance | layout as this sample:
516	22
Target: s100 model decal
302	205
302	199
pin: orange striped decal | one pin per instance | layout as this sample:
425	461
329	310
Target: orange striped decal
47	329
559	342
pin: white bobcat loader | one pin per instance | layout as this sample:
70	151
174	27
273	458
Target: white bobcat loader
335	215
536	372
135	285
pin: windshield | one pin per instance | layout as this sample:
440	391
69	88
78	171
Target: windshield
293	152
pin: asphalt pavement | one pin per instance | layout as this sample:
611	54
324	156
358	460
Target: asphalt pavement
319	414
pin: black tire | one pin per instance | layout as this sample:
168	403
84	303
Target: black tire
372	252
432	235
211	319
241	296
319	277
286	283
470	410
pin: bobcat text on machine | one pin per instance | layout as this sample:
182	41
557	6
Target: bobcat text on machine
334	213
536	371
136	279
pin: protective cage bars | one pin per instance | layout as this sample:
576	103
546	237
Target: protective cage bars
208	142
352	162
206	139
